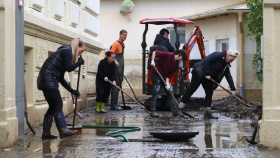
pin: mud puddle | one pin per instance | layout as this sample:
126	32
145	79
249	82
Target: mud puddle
217	138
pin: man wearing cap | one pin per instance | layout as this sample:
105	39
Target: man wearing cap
167	65
215	66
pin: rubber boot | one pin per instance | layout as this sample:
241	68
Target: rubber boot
98	106
47	125
102	107
61	126
208	114
179	113
153	109
116	107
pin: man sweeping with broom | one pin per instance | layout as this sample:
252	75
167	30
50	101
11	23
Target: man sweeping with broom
165	67
106	71
214	66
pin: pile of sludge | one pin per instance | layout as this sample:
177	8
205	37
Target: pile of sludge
236	110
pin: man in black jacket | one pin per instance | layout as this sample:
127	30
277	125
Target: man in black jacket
162	40
216	66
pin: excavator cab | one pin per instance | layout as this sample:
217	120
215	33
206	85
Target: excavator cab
180	80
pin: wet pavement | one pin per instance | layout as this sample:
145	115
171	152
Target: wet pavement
225	137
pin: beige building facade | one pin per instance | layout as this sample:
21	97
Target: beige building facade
224	28
48	24
270	124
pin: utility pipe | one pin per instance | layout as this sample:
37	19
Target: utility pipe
241	43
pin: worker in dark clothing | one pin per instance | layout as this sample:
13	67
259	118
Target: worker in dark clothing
51	73
106	71
167	65
162	40
216	66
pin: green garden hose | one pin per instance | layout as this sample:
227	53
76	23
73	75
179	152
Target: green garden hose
114	133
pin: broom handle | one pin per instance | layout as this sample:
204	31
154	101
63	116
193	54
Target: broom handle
75	109
129	96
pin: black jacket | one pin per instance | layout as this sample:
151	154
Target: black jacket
106	70
162	41
53	69
212	65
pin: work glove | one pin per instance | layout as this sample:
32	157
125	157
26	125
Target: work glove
81	60
75	92
168	85
232	92
207	77
153	63
114	82
106	79
182	105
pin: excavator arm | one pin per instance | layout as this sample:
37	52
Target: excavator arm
195	37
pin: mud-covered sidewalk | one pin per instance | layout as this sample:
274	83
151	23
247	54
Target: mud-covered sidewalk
225	137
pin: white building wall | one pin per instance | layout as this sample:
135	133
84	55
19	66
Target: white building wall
111	22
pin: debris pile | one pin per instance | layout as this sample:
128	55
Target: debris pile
236	110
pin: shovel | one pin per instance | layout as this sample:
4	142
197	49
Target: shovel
252	141
78	127
78	113
242	101
171	93
129	96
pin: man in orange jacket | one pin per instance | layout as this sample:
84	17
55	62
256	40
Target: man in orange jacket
118	48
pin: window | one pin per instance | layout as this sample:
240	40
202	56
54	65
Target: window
222	44
172	36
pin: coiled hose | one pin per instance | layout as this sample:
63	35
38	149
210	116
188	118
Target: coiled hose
115	133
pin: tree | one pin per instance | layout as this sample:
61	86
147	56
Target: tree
255	26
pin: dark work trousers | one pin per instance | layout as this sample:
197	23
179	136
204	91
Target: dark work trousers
195	83
115	91
103	90
157	82
54	100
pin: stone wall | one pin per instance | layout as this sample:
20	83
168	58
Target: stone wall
48	24
269	126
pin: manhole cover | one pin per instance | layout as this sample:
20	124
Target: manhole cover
174	135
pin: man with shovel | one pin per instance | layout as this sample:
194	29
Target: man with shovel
118	49
214	66
165	67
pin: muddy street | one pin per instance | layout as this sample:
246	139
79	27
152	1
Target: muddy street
225	137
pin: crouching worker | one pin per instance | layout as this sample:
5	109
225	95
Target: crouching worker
167	65
51	73
106	71
215	66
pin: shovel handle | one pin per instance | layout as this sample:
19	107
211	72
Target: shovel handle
228	91
130	87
